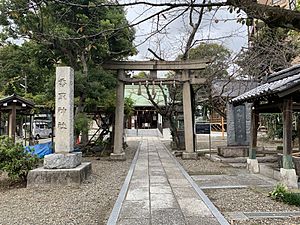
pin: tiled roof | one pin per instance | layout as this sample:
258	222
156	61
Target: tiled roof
232	88
270	88
17	99
142	100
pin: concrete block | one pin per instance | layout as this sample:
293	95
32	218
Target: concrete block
252	165
42	177
62	161
118	157
289	177
190	155
233	151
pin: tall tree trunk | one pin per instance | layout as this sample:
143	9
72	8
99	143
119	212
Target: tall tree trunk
82	98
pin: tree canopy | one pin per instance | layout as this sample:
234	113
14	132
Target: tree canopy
271	50
57	33
71	33
24	69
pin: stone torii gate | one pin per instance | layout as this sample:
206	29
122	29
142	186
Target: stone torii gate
153	67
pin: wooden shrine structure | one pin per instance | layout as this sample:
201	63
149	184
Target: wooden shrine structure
280	94
12	105
180	67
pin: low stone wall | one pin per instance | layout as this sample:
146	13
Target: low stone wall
236	151
233	151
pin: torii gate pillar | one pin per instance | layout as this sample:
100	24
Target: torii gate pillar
118	151
189	152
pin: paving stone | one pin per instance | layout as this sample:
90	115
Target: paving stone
135	209
184	192
175	175
167	217
133	222
201	221
161	189
140	175
159	201
193	207
157	173
140	182
172	171
179	183
158	179
138	193
169	165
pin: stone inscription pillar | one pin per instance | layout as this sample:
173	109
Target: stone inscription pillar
118	153
64	110
188	119
64	158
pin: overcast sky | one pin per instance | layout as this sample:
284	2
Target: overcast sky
168	45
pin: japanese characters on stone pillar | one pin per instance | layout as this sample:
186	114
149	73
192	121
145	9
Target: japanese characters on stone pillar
64	110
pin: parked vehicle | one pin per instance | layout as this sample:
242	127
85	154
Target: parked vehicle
39	129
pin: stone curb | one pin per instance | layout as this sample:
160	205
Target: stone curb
113	218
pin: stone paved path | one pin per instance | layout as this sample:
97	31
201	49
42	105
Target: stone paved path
160	192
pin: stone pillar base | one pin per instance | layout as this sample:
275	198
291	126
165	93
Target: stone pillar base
252	166
118	156
190	155
62	161
289	177
52	178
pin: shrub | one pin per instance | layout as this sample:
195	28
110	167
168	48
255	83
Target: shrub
292	198
281	193
15	160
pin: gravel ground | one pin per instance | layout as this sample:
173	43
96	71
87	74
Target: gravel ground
238	200
90	204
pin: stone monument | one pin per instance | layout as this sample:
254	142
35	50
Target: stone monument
238	131
63	167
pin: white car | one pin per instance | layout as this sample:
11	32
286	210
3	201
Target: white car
39	129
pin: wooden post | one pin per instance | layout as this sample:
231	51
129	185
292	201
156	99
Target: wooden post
12	123
253	135
298	131
222	127
153	73
287	113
